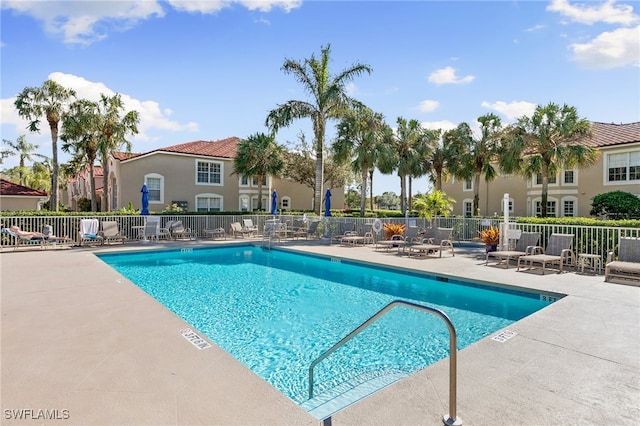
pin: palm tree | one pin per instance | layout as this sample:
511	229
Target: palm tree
434	203
478	155
546	142
360	139
80	135
24	150
113	129
406	156
329	101
259	156
50	101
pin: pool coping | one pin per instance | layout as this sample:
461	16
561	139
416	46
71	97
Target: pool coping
107	353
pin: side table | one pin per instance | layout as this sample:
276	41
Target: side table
591	261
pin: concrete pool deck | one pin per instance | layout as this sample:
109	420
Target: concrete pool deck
82	345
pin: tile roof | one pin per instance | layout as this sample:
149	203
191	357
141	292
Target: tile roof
10	188
124	155
608	134
224	148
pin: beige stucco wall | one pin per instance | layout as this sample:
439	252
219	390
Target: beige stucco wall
178	173
16	203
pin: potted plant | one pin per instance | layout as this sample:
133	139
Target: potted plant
391	229
491	238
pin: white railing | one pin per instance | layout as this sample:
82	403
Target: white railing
588	239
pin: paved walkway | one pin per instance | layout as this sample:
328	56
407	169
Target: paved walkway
80	343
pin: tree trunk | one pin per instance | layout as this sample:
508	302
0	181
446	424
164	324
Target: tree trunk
53	199
403	194
259	192
105	185
476	194
319	135
545	188
371	188
363	191
410	204
92	184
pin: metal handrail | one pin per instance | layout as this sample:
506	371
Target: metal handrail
449	419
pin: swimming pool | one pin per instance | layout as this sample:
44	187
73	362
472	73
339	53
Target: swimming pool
277	311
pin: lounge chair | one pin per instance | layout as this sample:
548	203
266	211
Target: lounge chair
311	231
558	252
345	229
395	241
21	238
627	265
88	233
237	229
110	233
151	230
525	246
177	231
215	233
441	241
247	224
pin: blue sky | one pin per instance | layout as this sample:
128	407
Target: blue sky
212	69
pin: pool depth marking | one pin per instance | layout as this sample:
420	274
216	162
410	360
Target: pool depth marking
504	335
194	338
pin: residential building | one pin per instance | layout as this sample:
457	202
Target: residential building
198	176
570	192
79	187
15	197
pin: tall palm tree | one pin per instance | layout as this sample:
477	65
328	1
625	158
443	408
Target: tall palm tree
25	152
478	155
259	156
114	129
50	100
329	101
440	157
360	139
406	156
547	142
80	136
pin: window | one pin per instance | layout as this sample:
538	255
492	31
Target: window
468	208
569	177
510	206
244	181
285	204
155	185
551	208
623	167
468	185
254	182
208	203
552	179
254	203
209	173
568	207
244	203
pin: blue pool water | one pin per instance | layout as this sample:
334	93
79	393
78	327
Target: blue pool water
276	311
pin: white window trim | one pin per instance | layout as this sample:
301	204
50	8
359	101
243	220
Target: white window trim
535	184
464	185
605	169
512	206
464	203
209	195
537	200
209	183
575	178
156	176
575	205
282	202
246	197
240	184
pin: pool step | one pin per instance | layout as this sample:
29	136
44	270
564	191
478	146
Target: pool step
345	394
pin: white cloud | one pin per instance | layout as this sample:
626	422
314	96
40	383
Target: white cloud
534	28
151	115
511	110
85	22
435	125
610	49
447	75
428	105
607	12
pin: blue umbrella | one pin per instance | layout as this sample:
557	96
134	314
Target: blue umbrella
274	203
327	203
145	200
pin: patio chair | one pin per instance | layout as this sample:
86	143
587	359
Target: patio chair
177	231
88	233
441	241
311	231
110	232
345	229
248	225
559	251
237	229
395	241
22	238
627	265
527	244
151	230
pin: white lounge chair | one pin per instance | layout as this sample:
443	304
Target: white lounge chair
558	252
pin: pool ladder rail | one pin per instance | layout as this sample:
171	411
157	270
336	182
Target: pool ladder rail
449	419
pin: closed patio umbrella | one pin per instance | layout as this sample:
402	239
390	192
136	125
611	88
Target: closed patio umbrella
274	203
145	200
327	203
